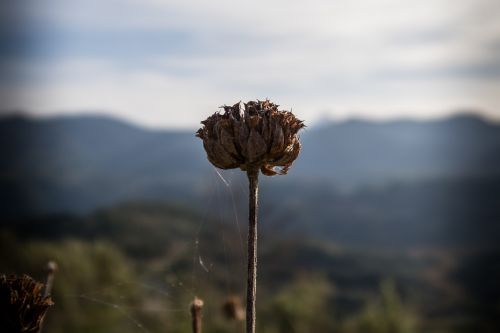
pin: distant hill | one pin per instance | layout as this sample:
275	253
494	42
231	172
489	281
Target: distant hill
358	152
77	164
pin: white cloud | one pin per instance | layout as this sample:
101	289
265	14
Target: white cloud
378	59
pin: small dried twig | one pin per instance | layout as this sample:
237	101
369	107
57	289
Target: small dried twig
51	270
196	307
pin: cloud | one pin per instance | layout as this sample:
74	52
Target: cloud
170	63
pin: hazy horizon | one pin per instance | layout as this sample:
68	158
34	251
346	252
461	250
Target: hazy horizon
326	119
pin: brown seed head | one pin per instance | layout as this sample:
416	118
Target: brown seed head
257	135
22	304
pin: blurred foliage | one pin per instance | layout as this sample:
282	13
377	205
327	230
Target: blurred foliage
94	286
142	264
303	305
386	314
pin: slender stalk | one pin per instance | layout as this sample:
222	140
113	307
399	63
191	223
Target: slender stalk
51	271
196	307
253	179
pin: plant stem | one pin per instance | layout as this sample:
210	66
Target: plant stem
196	307
51	271
253	179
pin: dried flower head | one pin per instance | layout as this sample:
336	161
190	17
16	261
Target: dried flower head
22	304
255	136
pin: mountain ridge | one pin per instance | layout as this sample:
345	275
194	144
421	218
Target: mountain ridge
84	162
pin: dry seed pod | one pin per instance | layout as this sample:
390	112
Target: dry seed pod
22	304
257	135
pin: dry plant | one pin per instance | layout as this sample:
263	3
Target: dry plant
22	304
51	270
196	307
255	137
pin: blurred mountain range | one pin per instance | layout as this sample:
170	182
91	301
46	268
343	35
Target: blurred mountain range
357	152
402	182
80	163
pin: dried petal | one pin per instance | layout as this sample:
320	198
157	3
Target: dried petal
227	141
268	170
278	140
242	137
253	121
256	147
219	157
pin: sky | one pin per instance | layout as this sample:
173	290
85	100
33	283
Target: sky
172	63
